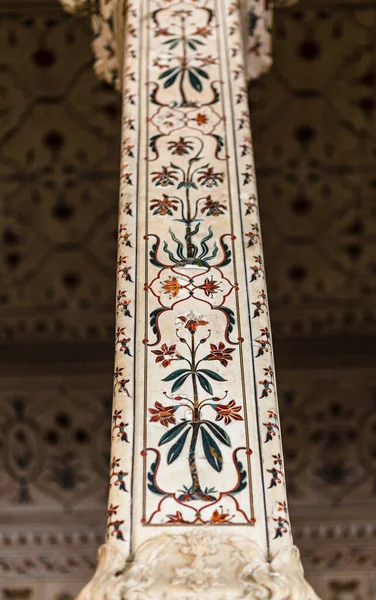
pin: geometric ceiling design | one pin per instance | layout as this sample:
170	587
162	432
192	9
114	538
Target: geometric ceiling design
314	125
59	163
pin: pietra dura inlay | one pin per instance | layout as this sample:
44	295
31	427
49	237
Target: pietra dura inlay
194	379
197	468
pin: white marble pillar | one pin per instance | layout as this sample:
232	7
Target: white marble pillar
197	502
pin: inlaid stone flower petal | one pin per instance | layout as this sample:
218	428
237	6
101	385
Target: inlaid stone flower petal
205	119
191	321
171	287
168	120
163	414
228	412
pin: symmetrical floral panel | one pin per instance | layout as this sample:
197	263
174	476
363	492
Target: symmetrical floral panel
314	131
196	435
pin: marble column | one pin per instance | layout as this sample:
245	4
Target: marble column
197	498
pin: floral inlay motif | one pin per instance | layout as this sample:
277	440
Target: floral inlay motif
191	285
199	422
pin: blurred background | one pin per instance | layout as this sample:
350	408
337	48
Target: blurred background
314	125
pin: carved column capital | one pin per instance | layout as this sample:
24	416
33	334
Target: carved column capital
76	7
195	565
108	17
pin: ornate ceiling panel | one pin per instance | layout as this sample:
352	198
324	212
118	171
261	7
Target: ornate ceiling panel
59	184
315	144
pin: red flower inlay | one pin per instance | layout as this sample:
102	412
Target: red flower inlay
228	412
210	287
171	286
203	31
164	206
164	177
166	354
209	178
213	208
163	414
201	119
180	147
162	31
219	517
176	518
208	60
192	322
220	353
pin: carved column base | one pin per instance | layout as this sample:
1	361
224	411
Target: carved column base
195	566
